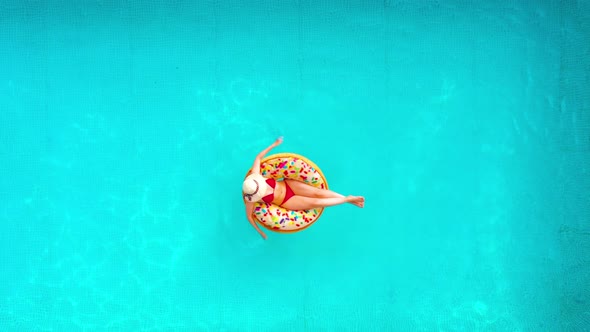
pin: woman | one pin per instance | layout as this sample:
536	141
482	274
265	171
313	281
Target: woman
290	194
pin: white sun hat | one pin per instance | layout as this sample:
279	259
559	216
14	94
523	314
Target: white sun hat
254	187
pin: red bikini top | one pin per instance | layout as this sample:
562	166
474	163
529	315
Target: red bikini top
270	197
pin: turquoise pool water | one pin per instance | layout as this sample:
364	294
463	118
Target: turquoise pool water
126	129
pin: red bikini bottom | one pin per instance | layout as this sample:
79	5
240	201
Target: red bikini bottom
288	192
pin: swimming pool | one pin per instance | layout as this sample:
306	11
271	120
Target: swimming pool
126	130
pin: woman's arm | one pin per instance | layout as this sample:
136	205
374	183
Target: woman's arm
256	165
249	210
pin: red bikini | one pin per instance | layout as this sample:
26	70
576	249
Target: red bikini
270	197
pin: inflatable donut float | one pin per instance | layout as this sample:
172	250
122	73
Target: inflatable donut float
288	166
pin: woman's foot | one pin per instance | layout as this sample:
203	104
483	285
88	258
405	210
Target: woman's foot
356	200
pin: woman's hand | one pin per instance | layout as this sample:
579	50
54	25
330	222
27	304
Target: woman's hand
249	207
256	165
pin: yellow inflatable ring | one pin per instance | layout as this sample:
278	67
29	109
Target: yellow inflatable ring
288	166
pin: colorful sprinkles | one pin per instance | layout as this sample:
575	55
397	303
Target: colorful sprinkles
289	166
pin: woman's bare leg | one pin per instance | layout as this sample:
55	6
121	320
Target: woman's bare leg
306	203
304	189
